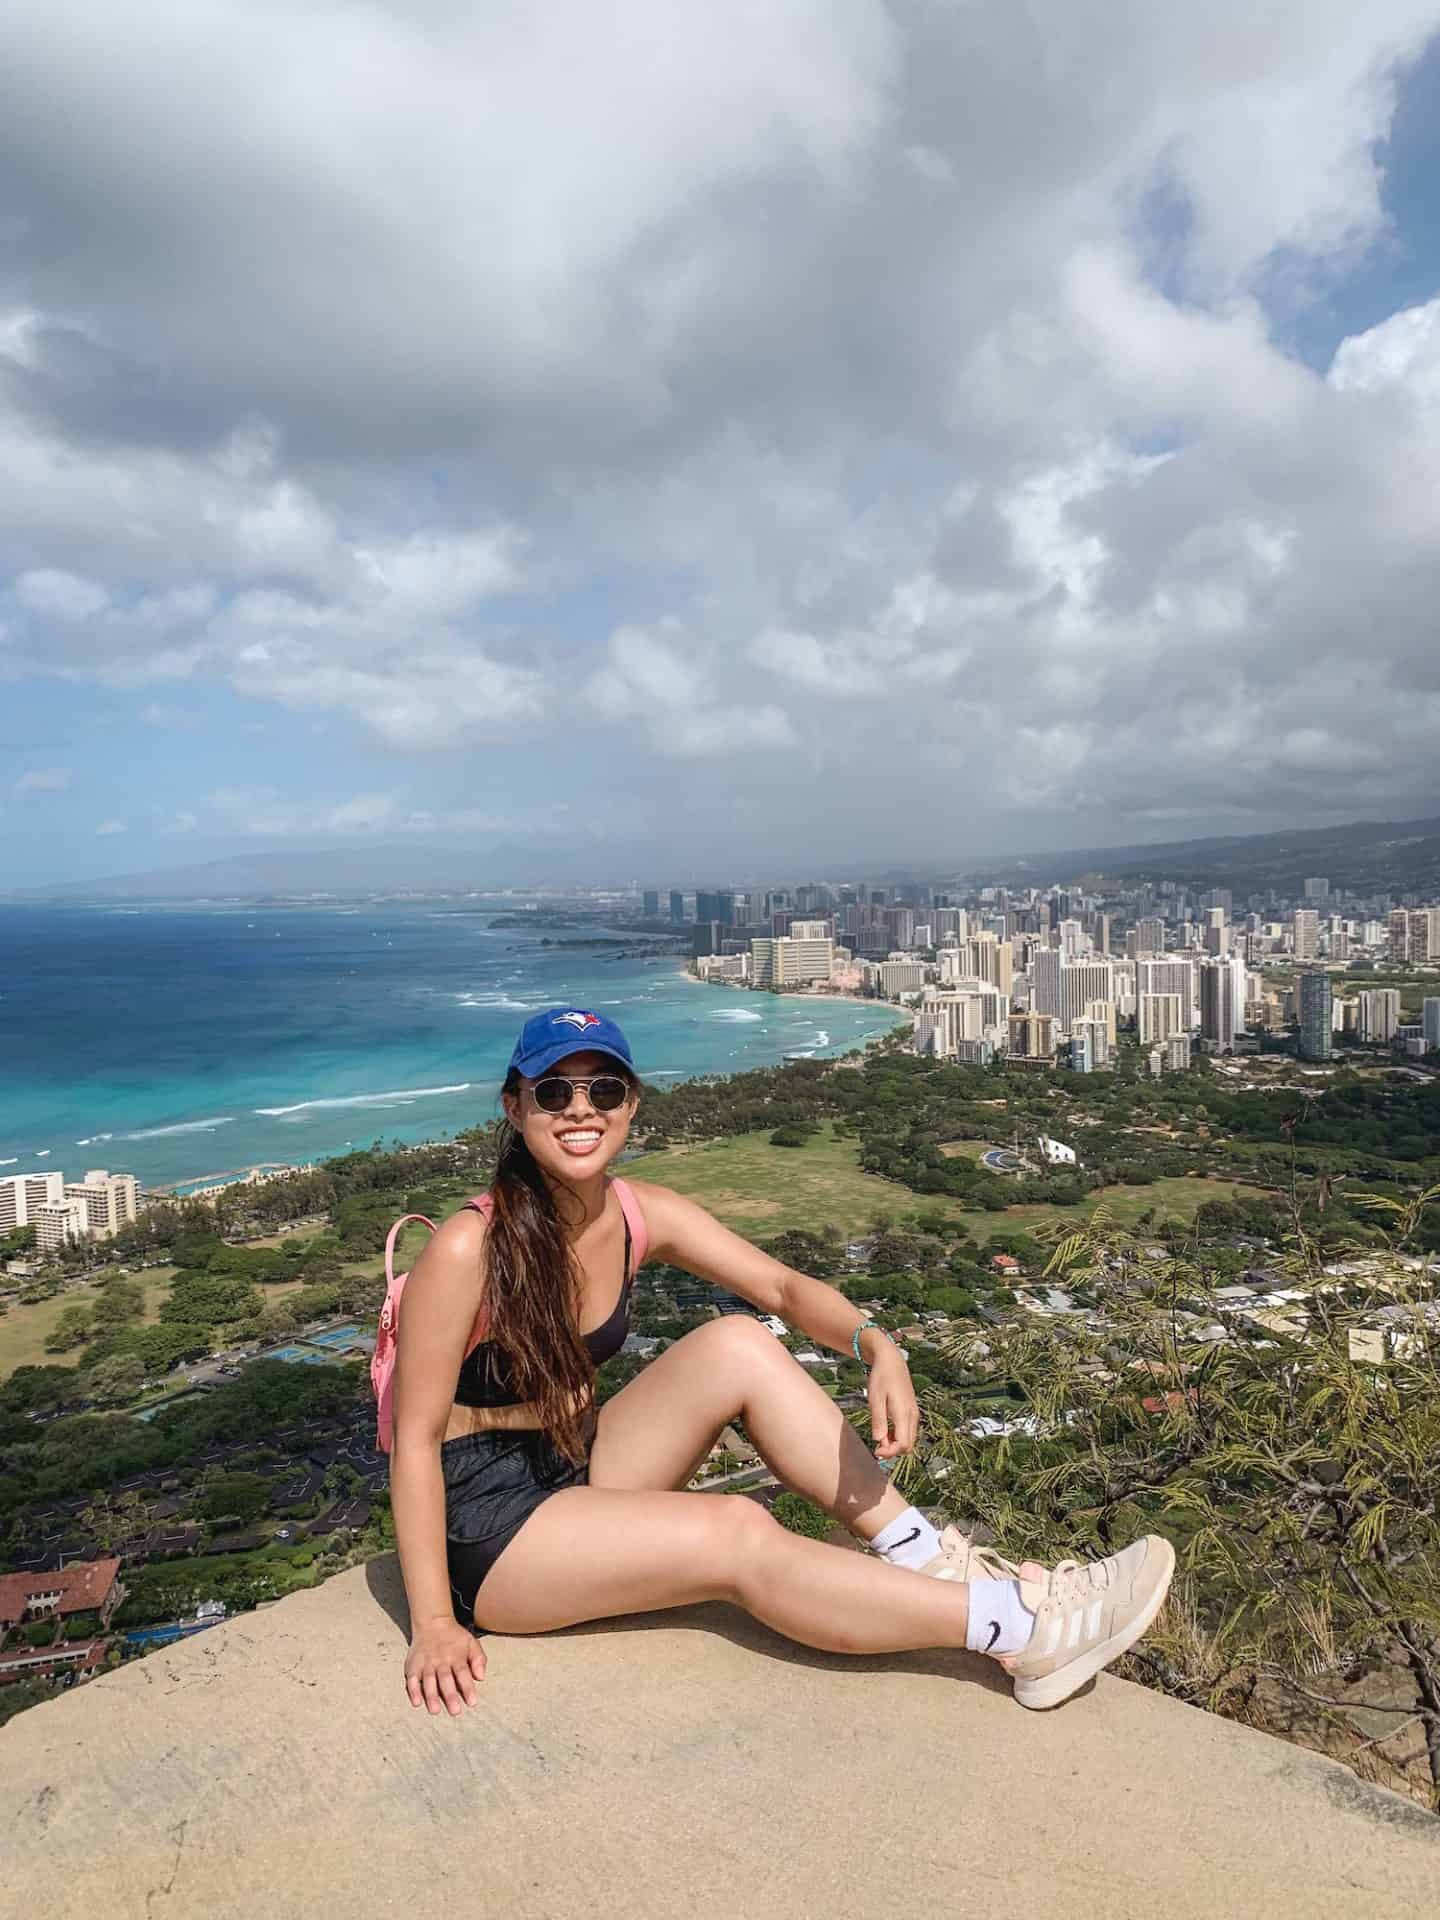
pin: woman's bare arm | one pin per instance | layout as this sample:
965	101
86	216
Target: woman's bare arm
683	1233
442	1298
689	1237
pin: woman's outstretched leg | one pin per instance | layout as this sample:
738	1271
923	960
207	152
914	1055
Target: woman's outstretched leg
590	1553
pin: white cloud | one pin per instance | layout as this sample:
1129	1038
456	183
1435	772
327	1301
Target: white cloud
107	827
47	590
44	780
1403	352
648	678
264	813
942	393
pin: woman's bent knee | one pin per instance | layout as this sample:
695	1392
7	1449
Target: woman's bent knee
737	1337
742	1535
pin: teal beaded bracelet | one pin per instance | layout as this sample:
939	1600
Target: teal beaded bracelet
869	1326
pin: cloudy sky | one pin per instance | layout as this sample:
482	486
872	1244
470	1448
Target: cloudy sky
789	432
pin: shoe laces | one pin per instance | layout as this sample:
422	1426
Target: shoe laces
992	1565
987	1562
1073	1582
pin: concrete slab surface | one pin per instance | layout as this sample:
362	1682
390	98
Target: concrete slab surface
688	1764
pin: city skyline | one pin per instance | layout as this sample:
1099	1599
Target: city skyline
756	439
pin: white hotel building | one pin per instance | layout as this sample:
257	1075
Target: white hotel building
62	1210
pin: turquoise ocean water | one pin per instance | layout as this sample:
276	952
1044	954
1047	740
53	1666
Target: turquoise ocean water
177	1044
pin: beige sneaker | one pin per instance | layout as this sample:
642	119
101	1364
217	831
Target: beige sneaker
1086	1615
960	1558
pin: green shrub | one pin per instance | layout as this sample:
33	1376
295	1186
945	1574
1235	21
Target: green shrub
802	1516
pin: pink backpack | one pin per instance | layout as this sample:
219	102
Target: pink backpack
382	1361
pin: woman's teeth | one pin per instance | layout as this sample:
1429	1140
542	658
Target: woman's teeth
580	1142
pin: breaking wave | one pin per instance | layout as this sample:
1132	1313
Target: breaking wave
398	1097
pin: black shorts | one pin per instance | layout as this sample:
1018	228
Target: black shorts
494	1481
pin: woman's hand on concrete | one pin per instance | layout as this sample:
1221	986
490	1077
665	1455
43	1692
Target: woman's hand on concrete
444	1662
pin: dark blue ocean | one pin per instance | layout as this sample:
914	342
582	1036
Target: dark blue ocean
178	1044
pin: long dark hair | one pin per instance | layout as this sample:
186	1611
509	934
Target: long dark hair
533	1291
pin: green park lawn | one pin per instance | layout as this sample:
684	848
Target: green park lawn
23	1329
757	1189
761	1190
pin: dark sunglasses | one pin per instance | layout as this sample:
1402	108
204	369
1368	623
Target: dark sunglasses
554	1093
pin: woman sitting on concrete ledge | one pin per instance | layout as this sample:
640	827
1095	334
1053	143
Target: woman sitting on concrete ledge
519	1508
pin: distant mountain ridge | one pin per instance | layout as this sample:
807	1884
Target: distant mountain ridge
1366	856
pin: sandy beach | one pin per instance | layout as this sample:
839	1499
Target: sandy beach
900	1014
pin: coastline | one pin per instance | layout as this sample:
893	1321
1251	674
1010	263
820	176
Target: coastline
310	1033
212	1183
801	999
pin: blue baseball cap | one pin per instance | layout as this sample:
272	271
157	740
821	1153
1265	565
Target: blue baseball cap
548	1038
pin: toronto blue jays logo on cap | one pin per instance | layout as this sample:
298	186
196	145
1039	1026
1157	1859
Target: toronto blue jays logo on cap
580	1021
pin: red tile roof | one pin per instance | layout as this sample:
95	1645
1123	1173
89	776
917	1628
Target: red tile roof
83	1585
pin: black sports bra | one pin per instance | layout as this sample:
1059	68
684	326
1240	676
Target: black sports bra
487	1377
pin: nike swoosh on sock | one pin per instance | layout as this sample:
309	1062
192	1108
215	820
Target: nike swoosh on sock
895	1545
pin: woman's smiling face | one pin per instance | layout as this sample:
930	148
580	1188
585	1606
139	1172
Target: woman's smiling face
580	1141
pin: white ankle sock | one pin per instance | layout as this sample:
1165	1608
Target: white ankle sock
909	1541
1000	1622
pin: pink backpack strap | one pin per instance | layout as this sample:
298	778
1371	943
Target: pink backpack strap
635	1220
393	1236
629	1206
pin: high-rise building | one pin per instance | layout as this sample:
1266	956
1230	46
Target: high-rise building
1222	1002
1177	1053
992	959
1305	934
1425	934
1064	988
1398	936
716	906
1106	1012
900	922
1175	974
1314	1007
1317	890
1150	936
1161	1016
788	963
1430	1023
968	1014
110	1200
1089	1046
650	903
56	1226
23	1195
677	906
1379	1015
898	975
1032	1036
